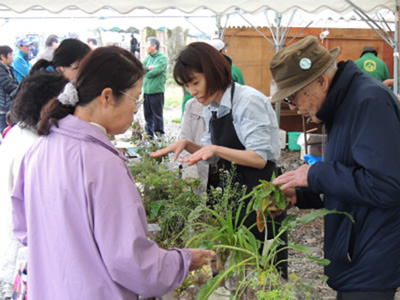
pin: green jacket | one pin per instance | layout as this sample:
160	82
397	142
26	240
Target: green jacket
373	66
154	80
237	75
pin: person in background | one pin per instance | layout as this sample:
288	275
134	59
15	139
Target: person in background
21	62
9	125
8	84
65	63
34	92
192	128
92	43
66	59
360	171
155	65
51	45
220	45
241	127
370	63
95	230
134	45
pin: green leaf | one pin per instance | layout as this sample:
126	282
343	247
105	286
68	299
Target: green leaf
324	278
321	261
207	289
278	200
308	218
156	207
300	248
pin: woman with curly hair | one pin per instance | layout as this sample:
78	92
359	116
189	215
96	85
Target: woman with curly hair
35	91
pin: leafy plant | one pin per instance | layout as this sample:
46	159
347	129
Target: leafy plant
167	197
250	269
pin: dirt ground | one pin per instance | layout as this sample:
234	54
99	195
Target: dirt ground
310	235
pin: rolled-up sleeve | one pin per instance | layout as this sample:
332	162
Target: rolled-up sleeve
256	125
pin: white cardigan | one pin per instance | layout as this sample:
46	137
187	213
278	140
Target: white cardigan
12	254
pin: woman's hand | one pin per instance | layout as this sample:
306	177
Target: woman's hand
201	257
176	147
205	153
293	178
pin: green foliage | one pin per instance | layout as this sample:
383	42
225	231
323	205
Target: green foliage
244	265
173	95
167	197
293	289
187	219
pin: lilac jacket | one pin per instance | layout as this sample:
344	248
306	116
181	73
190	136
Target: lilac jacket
77	208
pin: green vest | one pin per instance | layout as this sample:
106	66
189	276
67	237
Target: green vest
373	66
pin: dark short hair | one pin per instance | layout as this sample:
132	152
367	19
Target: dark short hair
92	40
52	38
154	41
369	49
34	92
4	50
200	57
68	52
106	67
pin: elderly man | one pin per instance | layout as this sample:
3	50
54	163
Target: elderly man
360	171
51	45
155	65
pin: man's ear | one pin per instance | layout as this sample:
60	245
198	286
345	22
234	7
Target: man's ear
324	82
106	97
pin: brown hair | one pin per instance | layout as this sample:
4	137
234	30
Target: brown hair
201	57
106	67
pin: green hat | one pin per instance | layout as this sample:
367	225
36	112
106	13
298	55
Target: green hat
297	65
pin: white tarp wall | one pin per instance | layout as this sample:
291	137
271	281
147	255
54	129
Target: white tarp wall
158	6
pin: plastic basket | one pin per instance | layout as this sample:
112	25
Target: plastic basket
292	143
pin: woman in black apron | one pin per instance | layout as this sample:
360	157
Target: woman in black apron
242	125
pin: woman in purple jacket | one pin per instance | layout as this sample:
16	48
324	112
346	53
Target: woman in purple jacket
75	203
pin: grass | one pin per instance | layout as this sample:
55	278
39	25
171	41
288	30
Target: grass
173	97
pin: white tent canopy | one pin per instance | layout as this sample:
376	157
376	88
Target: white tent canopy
189	6
362	8
203	19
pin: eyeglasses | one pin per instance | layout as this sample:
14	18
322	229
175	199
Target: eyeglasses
137	101
289	100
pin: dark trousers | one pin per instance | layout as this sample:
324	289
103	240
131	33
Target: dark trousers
153	113
3	123
380	295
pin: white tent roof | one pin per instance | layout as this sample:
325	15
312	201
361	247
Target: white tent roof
220	6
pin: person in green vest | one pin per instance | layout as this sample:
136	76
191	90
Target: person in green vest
237	75
370	63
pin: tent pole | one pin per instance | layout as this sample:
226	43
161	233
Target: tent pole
278	19
392	41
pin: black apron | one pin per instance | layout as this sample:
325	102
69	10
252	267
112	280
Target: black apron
223	133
